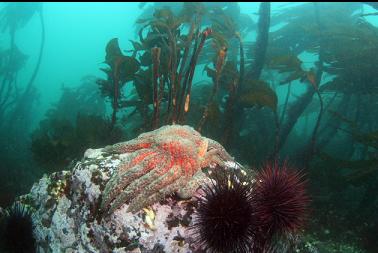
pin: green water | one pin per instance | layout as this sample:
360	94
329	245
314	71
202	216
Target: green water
280	81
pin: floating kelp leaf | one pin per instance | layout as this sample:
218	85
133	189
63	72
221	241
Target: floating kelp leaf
155	39
285	63
128	67
302	13
258	93
137	46
16	15
292	65
12	60
163	13
113	52
123	67
300	31
192	8
164	20
145	59
348	55
224	24
164	25
295	38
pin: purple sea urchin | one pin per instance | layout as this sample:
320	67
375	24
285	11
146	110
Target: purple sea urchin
223	221
17	230
280	201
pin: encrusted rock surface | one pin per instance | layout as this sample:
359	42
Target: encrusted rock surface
68	219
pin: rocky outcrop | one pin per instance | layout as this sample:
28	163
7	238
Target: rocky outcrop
67	216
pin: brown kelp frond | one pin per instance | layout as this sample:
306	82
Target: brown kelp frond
121	70
15	15
155	77
258	93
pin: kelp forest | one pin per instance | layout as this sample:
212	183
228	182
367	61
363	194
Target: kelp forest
297	84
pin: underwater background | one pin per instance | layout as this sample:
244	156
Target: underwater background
293	82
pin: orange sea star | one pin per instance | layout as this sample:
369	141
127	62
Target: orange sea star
163	161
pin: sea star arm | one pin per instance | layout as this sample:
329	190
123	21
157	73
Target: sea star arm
139	164
141	189
221	151
191	187
137	179
141	142
163	185
215	154
184	188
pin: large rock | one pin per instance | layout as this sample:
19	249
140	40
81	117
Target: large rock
67	216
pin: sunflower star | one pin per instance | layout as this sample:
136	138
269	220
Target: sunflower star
163	161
